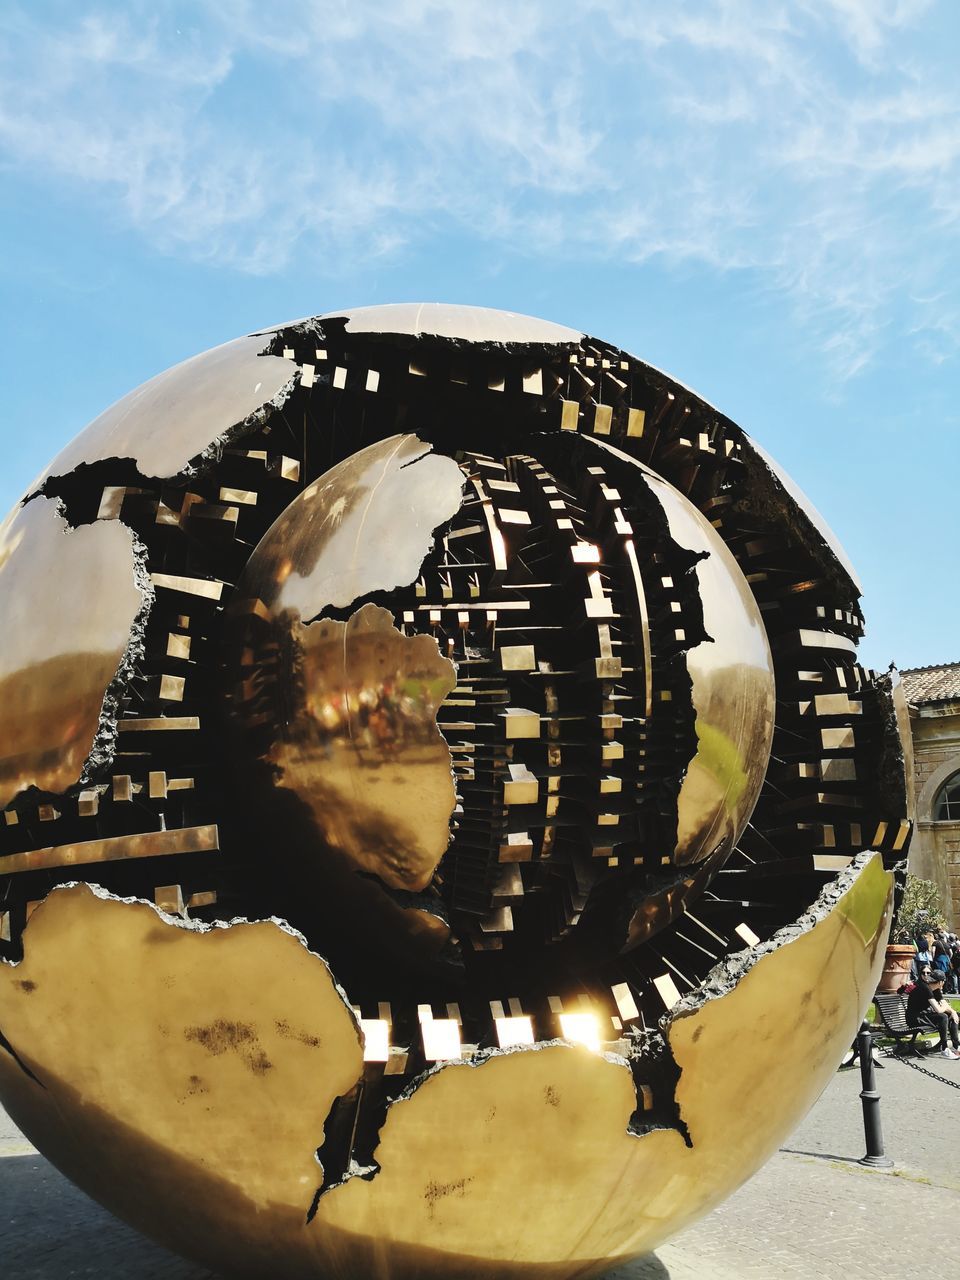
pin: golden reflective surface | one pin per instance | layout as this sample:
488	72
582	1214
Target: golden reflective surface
59	651
186	1075
612	1195
362	747
179	413
733	688
733	693
447	320
244	1022
353	706
364	526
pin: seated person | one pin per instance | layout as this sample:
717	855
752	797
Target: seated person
925	1004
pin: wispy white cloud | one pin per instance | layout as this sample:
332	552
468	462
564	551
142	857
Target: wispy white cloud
866	25
813	143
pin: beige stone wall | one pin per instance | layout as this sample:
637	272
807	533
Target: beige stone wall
935	850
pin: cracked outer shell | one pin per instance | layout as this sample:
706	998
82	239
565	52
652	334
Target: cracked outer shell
53	678
753	1059
169	420
364	526
449	320
807	511
185	1075
459	1153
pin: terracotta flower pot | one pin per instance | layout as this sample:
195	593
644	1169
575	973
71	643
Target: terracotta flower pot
896	968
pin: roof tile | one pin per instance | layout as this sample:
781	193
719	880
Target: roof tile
939	683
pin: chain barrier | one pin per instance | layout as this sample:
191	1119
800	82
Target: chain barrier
909	1062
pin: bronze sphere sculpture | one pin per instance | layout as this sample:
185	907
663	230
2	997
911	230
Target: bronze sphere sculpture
433	757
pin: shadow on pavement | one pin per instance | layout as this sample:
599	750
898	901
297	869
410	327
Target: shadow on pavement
821	1155
648	1267
50	1230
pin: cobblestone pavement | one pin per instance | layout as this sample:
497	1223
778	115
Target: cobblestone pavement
813	1213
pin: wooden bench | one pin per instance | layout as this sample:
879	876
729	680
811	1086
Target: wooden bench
892	1012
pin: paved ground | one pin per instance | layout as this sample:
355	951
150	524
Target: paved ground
813	1213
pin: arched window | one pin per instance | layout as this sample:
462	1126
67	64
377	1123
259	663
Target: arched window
946	807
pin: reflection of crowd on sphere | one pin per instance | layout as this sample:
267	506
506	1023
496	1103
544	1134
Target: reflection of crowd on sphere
383	718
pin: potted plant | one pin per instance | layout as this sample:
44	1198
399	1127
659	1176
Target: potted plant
920	912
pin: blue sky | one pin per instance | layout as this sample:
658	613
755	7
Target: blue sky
762	198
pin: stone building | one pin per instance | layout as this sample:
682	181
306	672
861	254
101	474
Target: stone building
933	695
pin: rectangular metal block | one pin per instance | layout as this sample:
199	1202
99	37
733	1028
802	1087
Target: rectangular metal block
150	844
521	723
88	803
602	419
667	989
522	787
626	1004
169	898
517	848
204	898
841	769
207	588
178	646
155	724
172	688
836	704
635	422
569	415
518	657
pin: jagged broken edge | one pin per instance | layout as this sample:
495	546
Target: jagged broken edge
379	597
187	926
725	975
103	747
650	1049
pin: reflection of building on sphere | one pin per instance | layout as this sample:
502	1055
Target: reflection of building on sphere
521	683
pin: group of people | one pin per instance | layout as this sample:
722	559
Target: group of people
934	974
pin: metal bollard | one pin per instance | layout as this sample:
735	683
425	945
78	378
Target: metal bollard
870	1101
